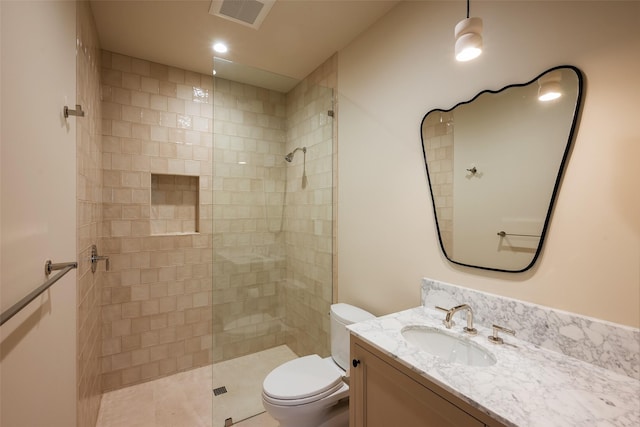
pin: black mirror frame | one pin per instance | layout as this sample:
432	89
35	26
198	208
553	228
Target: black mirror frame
556	186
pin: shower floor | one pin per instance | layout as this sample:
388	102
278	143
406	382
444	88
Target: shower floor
187	399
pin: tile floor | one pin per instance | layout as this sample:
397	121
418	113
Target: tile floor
186	399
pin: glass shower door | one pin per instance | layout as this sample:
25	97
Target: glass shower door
273	228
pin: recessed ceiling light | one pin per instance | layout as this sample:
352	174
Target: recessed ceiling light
220	47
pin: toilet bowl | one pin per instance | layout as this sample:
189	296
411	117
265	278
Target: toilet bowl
309	391
304	391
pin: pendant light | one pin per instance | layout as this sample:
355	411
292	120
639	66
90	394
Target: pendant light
468	38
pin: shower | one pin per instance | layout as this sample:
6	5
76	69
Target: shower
289	157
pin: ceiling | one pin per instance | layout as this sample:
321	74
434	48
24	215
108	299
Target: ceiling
293	40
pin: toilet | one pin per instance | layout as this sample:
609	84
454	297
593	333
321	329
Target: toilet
309	391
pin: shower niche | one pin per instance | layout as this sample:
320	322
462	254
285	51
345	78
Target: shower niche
174	204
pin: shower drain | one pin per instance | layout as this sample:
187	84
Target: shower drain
220	390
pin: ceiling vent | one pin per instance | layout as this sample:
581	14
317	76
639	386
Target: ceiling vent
246	12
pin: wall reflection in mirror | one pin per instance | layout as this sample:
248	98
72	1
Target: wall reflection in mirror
494	165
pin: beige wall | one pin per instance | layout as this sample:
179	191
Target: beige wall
38	214
403	66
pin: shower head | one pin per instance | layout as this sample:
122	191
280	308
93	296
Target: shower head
289	157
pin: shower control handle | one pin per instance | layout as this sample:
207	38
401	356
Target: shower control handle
355	363
95	258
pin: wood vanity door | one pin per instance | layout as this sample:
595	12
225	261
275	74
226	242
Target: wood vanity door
383	396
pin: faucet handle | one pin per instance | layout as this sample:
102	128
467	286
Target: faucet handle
495	338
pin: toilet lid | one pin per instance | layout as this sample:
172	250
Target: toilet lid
301	378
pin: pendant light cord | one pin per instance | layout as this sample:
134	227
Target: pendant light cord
468	8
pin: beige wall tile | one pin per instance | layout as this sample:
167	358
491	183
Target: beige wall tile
148	298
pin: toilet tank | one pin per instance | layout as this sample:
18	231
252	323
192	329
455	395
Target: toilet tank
341	316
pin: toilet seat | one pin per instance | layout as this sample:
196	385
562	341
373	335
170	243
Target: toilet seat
301	381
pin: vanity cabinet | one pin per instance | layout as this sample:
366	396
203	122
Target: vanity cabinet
385	393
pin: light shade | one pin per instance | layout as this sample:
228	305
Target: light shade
468	39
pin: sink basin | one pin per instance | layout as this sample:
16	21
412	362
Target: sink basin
448	347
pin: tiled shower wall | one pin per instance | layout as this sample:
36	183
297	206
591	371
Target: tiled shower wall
157	315
437	132
156	299
309	212
273	219
89	215
249	144
273	228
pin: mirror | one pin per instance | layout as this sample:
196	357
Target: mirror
494	165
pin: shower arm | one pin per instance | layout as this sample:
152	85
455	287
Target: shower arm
289	157
304	150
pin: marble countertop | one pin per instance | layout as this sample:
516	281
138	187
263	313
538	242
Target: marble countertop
528	385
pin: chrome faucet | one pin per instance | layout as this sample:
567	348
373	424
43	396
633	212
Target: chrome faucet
448	320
